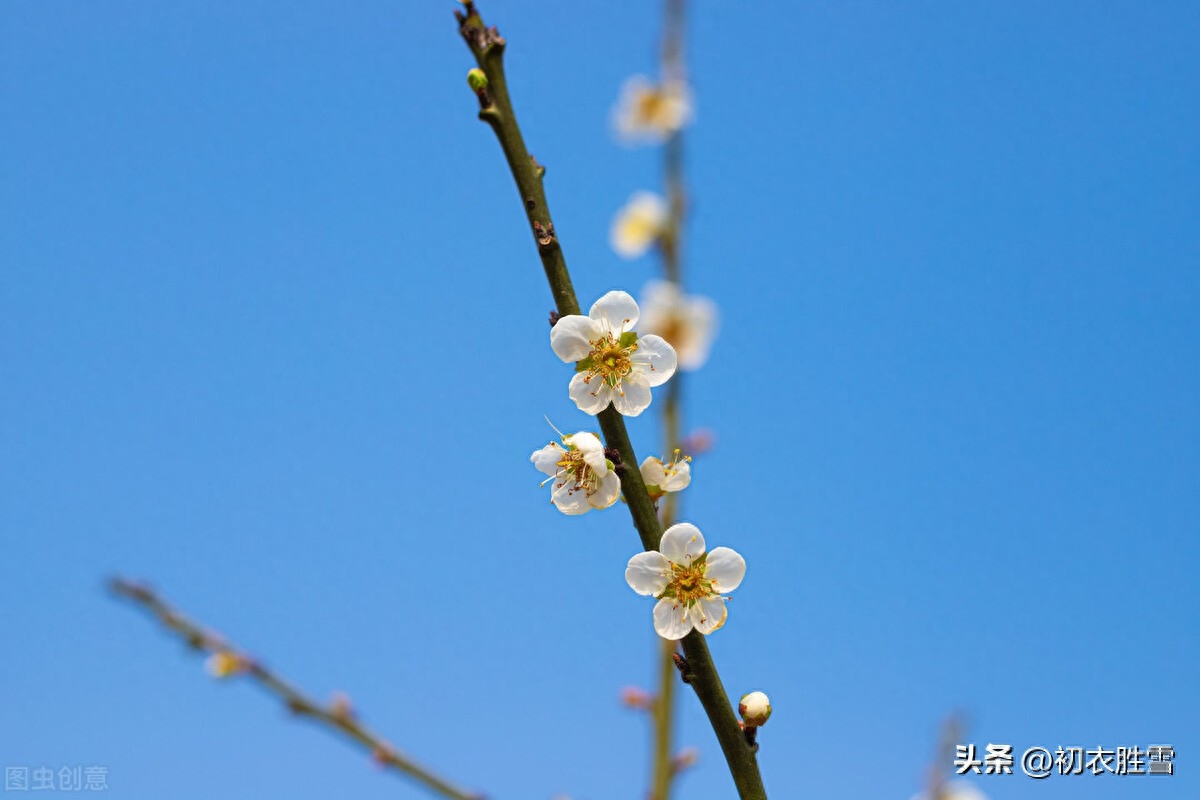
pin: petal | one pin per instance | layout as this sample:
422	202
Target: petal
617	310
654	358
648	573
725	568
572	336
679	477
708	614
546	459
653	473
570	500
607	490
671	619
702	319
682	543
632	397
592	398
593	452
658	300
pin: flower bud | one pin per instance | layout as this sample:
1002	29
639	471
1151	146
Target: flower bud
477	79
755	709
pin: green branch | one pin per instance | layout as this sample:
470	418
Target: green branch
496	109
337	715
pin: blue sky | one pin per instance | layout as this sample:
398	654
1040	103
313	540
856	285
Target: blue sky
273	337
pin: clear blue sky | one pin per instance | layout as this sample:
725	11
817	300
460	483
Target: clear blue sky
273	336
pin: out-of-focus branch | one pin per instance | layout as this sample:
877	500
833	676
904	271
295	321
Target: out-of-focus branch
670	247
487	46
337	715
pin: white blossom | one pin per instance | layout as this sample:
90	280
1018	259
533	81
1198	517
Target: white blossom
687	322
649	112
660	478
583	477
612	363
638	225
687	581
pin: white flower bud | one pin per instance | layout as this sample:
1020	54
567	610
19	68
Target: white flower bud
755	709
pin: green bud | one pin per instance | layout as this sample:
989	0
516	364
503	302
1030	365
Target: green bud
477	80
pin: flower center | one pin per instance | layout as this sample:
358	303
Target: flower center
688	584
610	360
650	105
574	470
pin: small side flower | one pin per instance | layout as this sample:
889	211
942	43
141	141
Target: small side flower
673	476
687	580
583	477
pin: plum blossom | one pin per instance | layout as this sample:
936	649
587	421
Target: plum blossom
638	225
687	322
583	477
651	113
687	581
660	478
612	363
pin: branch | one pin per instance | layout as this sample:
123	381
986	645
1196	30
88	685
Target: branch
337	716
496	109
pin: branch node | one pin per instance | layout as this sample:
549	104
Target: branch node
751	732
545	236
554	317
681	664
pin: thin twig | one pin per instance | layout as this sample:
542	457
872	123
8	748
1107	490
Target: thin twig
487	46
337	715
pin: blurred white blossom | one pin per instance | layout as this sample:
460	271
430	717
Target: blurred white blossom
651	112
687	322
638	225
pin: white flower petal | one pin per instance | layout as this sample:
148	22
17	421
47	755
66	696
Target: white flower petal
653	473
593	397
585	442
572	336
546	459
655	359
570	500
725	568
678	478
647	573
617	310
607	490
593	452
632	397
682	543
708	614
701	324
671	619
658	299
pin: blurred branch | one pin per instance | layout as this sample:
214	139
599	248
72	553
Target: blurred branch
337	715
663	769
487	46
